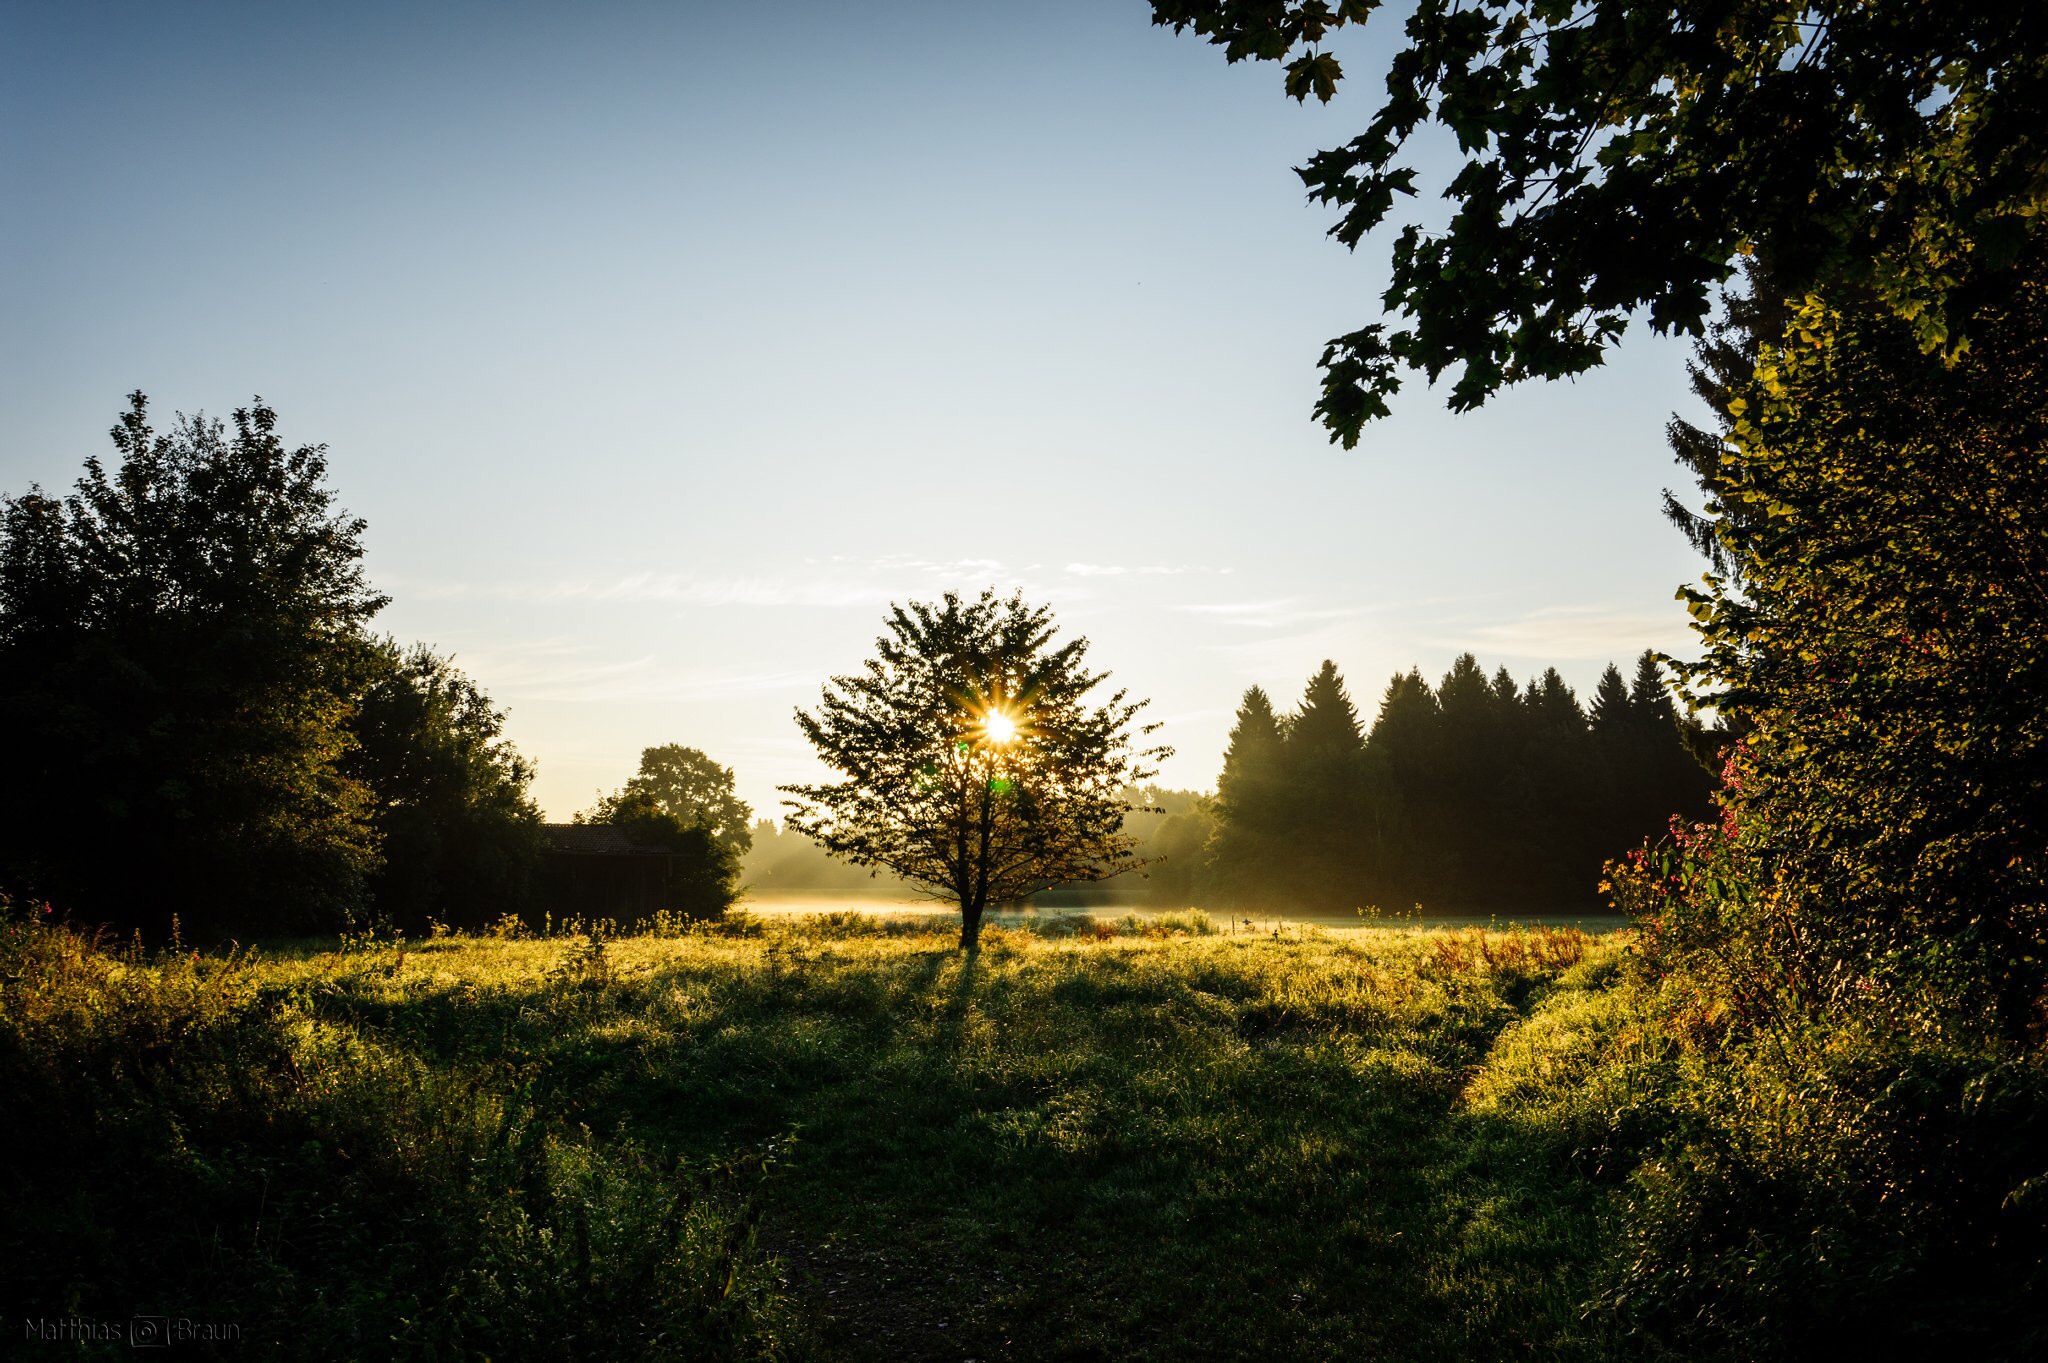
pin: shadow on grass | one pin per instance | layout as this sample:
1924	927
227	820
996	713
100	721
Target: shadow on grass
1128	1150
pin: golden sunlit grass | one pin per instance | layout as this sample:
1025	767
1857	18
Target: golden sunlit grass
1140	1140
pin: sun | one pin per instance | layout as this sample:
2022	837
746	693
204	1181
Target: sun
999	727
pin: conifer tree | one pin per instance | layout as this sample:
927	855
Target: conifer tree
1649	699
1251	818
1609	713
1555	794
1401	754
1468	822
1323	759
1552	705
1667	778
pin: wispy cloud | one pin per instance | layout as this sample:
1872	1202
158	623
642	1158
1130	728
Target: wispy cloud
1271	657
1284	612
557	671
1141	570
683	589
1572	632
832	582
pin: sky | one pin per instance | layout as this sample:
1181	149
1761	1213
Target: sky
663	346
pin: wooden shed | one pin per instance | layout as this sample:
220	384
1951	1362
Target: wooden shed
597	871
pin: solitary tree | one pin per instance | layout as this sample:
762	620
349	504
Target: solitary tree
974	765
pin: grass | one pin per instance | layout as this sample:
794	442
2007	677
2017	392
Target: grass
832	1138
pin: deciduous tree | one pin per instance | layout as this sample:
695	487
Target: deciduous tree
696	790
974	764
1620	156
457	828
177	649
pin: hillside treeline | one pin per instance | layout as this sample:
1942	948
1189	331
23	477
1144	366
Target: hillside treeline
1475	793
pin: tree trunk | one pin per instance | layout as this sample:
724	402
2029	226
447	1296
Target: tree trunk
970	925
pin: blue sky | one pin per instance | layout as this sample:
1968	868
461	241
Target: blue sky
662	346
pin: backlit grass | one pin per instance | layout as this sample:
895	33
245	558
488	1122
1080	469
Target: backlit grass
833	1138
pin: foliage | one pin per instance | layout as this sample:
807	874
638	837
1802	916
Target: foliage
176	645
459	833
1857	951
1621	155
1832	1183
1886	642
685	784
974	765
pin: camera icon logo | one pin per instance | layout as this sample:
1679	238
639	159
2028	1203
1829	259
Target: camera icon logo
146	1332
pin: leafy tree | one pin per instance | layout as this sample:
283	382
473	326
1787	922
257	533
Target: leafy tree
460	834
1863	927
1724	359
1622	155
696	790
975	766
177	650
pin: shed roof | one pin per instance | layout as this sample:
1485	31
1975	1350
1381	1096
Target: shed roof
597	839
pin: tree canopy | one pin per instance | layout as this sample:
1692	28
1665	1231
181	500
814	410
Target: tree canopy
1879	628
688	786
457	830
974	764
1620	156
177	649
198	726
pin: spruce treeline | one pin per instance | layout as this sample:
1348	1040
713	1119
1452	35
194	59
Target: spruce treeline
1474	793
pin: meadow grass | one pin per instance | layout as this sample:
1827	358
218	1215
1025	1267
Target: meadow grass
832	1137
